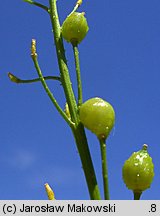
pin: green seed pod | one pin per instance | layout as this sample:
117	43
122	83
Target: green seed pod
75	28
138	171
98	116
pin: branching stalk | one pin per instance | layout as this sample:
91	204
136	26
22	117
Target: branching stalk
36	64
17	80
37	4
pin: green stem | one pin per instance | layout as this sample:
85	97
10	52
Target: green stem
62	62
17	80
78	130
104	168
87	165
62	113
78	73
37	4
137	195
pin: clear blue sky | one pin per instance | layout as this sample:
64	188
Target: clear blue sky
120	62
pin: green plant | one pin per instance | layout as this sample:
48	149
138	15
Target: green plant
95	114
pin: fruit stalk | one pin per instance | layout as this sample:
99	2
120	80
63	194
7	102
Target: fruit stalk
78	73
137	195
104	168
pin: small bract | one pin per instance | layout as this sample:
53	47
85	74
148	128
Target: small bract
98	116
75	28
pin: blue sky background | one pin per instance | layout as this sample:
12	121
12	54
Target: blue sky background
120	62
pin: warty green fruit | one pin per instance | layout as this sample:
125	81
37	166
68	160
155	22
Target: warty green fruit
75	28
138	171
98	116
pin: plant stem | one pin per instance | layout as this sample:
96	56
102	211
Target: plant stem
104	168
78	73
62	62
17	80
86	160
37	4
62	113
78	129
137	195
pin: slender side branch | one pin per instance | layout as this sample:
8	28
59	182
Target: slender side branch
17	80
104	168
36	64
78	73
37	4
78	3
